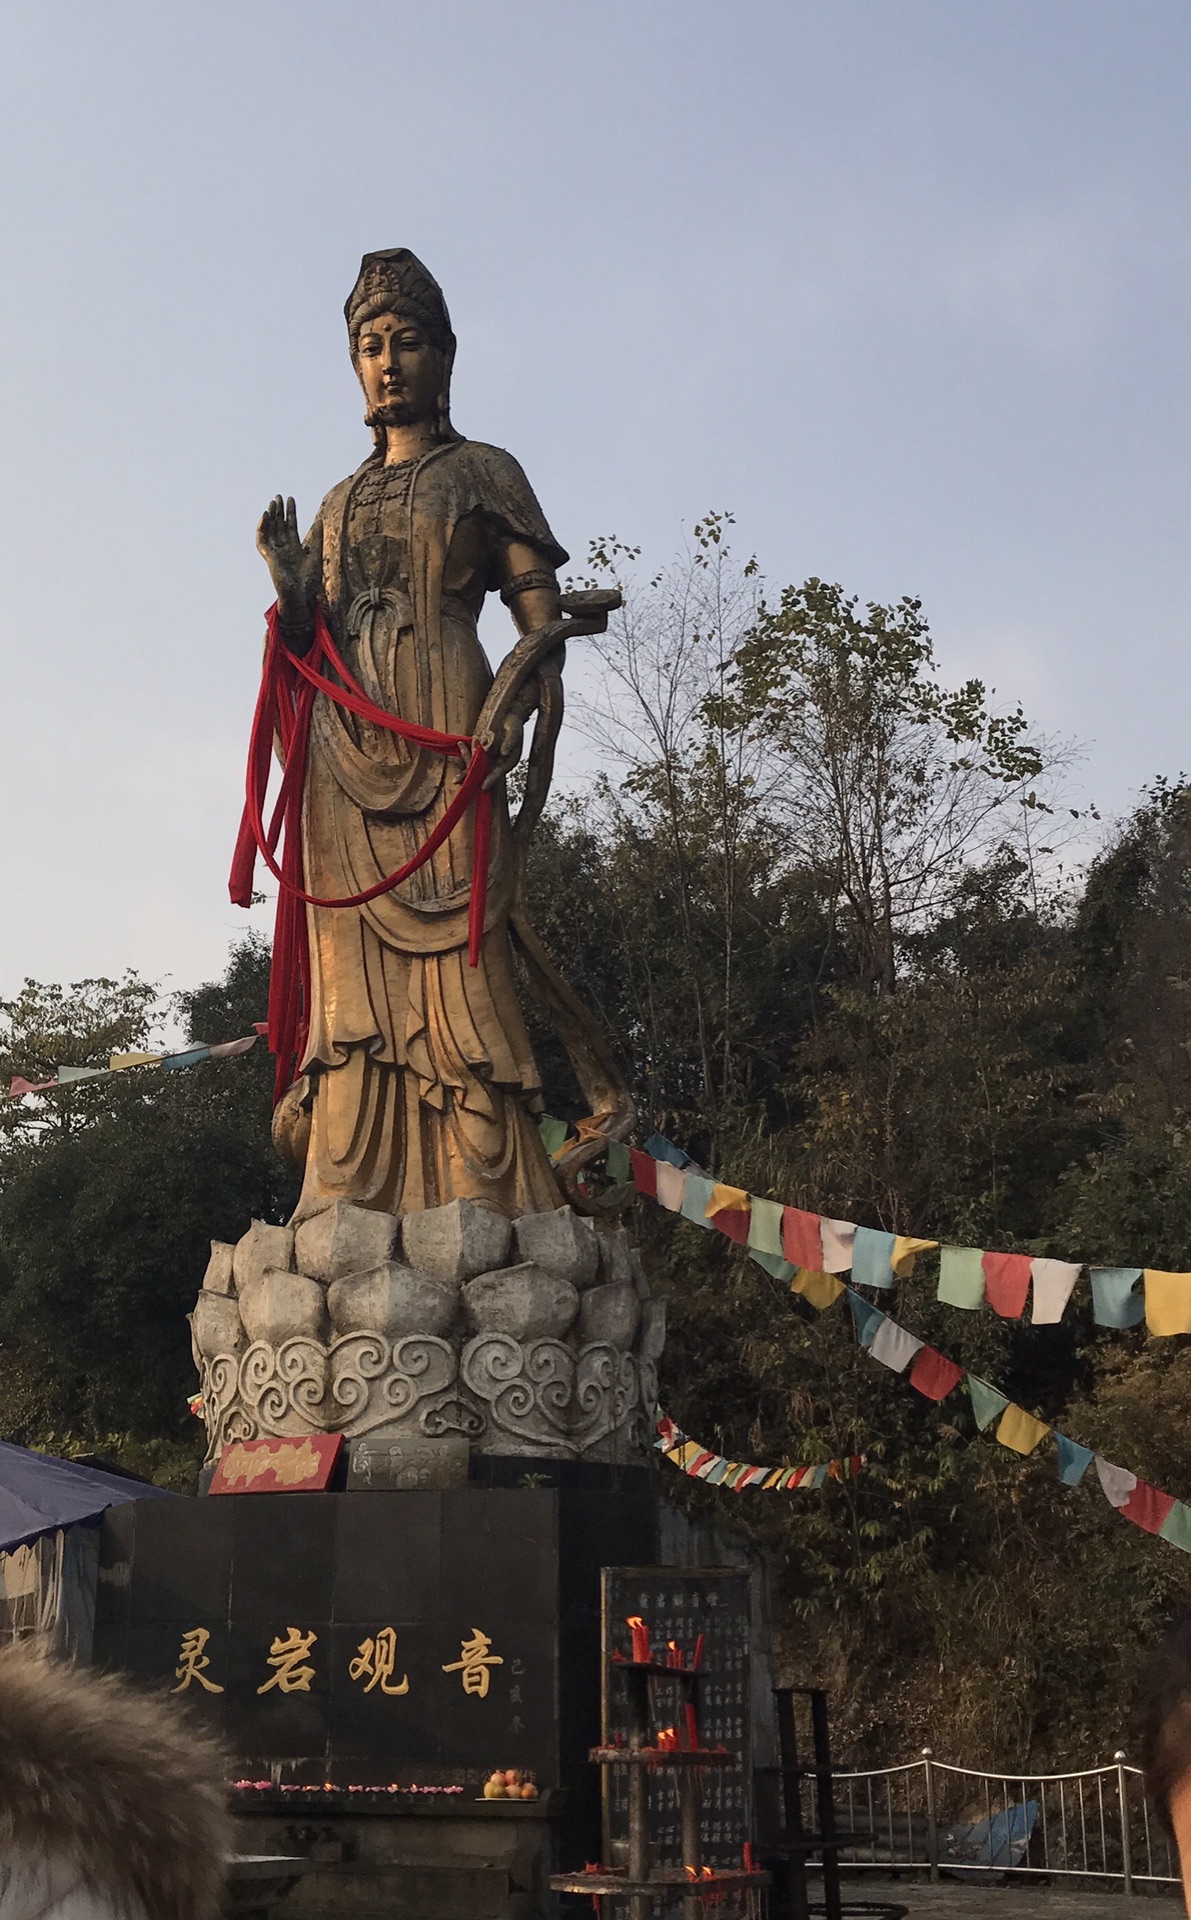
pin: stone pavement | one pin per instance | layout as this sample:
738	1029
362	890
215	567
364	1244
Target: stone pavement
960	1900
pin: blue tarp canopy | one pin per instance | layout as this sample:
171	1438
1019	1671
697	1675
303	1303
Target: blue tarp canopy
39	1493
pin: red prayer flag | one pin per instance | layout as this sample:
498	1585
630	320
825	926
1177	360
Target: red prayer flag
734	1223
645	1172
802	1242
934	1374
1006	1283
1148	1507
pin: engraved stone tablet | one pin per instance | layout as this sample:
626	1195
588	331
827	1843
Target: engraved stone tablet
404	1462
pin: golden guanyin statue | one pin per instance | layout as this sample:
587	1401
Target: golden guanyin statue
411	1081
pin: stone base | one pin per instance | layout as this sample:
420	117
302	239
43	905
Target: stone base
421	1576
473	1860
534	1337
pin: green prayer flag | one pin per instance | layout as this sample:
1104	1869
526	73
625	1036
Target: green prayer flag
774	1264
553	1132
987	1404
695	1196
765	1227
620	1167
1176	1528
961	1277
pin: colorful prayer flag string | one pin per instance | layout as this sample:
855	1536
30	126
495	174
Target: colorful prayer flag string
702	1463
67	1076
796	1240
968	1276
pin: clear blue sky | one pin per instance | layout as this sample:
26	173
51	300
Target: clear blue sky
903	283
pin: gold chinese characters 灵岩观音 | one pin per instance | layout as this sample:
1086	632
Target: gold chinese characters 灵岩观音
374	1666
476	1658
288	1656
193	1661
376	1663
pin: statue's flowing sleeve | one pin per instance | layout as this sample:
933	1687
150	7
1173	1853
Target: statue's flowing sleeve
510	506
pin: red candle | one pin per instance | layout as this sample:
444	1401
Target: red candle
748	1856
640	1633
698	1654
692	1725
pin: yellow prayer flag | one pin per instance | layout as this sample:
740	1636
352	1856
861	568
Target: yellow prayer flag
1020	1430
727	1200
118	1061
905	1251
821	1289
772	1477
688	1451
1168	1302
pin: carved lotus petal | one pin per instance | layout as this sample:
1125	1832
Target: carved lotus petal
456	1241
217	1326
261	1250
345	1240
609	1313
653	1329
392	1300
562	1244
283	1306
522	1302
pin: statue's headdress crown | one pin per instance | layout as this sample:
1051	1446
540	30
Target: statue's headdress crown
397	280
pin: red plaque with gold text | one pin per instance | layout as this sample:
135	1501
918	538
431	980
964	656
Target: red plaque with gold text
278	1466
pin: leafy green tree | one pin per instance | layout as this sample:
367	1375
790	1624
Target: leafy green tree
886	785
105	1221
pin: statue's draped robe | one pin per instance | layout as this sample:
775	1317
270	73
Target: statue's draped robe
421	1082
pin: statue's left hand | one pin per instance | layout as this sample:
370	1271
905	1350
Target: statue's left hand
508	752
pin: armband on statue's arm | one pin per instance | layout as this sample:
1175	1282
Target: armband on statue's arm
530	590
537	577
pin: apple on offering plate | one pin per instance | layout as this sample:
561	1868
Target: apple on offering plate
509	1784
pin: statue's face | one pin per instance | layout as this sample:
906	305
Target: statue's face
400	370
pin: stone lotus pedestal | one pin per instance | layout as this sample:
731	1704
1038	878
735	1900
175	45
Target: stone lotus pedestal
529	1337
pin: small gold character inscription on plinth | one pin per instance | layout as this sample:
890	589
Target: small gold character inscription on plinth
474	1663
376	1663
193	1662
287	1654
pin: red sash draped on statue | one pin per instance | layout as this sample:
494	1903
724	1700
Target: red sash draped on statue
283	708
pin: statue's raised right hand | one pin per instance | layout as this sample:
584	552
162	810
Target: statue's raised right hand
280	544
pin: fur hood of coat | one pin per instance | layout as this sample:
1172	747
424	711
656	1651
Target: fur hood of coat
111	1800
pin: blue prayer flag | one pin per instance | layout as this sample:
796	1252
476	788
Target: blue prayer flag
866	1317
663	1149
1114	1303
1074	1460
872	1258
190	1058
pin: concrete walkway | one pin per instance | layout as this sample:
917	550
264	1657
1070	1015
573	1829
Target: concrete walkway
960	1900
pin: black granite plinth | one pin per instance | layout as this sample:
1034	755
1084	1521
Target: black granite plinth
321	1634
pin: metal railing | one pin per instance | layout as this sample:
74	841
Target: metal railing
1094	1826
